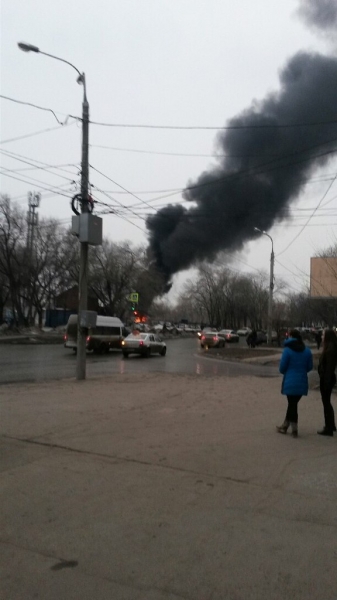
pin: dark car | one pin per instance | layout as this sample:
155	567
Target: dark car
212	339
262	337
207	330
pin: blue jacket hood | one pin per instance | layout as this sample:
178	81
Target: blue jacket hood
295	344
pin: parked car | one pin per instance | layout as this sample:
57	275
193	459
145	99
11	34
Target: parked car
144	344
212	339
262	337
243	331
230	335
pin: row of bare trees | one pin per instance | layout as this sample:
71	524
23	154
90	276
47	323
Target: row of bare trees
30	281
222	298
225	299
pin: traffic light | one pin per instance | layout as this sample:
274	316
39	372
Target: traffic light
133	300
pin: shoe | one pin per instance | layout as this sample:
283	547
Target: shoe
282	428
294	430
325	431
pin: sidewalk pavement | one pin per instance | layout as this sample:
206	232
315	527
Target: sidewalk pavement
273	357
165	487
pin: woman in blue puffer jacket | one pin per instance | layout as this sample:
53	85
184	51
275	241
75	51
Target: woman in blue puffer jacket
295	364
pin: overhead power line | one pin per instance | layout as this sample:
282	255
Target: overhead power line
34	180
254	170
28	135
64	187
12	154
36	106
118	202
181	127
260	169
218	128
187	154
310	277
39	186
310	217
111	210
318	179
123	188
46	168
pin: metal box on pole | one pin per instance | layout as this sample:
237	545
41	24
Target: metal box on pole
87	318
88	228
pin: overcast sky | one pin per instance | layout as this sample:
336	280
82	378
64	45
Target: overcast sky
151	62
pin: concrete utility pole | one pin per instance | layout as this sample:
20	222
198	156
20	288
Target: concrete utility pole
32	220
83	279
271	287
271	291
84	246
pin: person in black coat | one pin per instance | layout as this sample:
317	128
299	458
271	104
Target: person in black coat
327	379
318	339
252	339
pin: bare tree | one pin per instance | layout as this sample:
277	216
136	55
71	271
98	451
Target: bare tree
13	259
53	257
113	272
227	299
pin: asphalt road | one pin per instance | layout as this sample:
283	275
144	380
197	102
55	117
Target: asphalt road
20	363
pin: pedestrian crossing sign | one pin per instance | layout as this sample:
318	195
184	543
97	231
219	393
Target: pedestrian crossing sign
134	296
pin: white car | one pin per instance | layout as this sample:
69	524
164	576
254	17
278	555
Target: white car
244	331
230	335
144	344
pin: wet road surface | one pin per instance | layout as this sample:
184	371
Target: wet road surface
43	362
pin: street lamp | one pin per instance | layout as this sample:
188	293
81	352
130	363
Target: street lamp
83	279
271	286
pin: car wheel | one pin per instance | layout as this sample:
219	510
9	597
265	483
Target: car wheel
103	349
75	351
163	352
148	353
125	355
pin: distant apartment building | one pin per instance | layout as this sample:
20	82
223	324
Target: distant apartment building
323	277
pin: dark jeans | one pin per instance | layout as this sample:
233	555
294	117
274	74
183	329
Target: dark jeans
329	415
292	416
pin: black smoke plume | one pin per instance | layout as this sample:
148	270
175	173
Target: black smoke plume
265	169
319	14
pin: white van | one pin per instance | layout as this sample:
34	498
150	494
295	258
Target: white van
108	333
